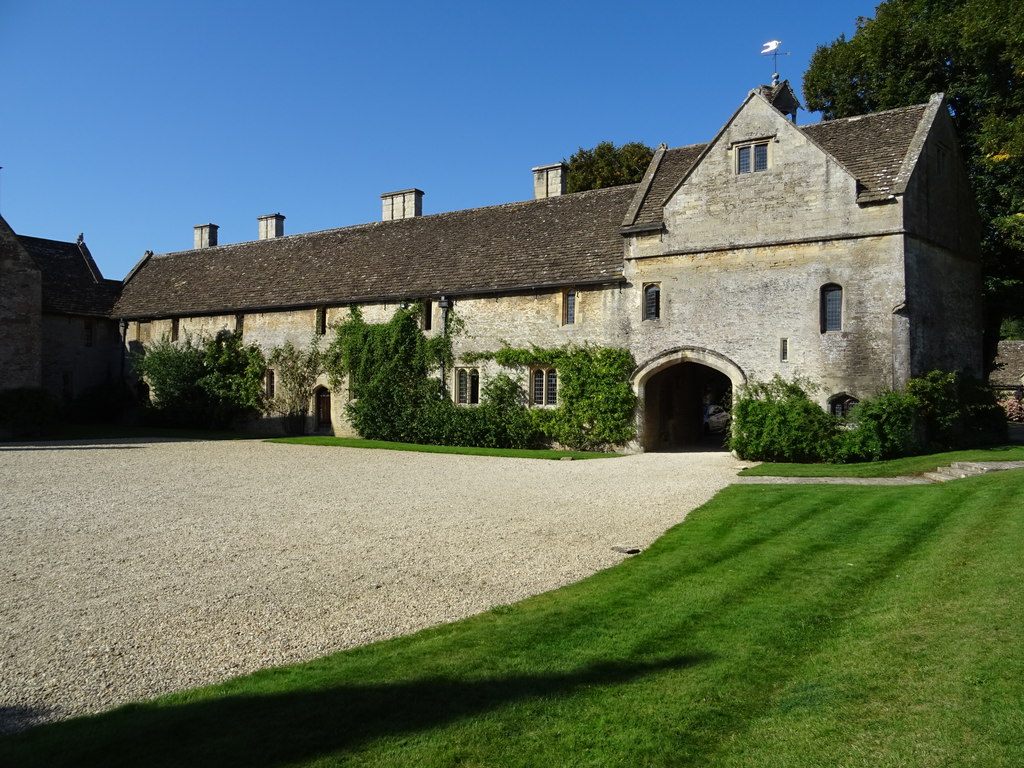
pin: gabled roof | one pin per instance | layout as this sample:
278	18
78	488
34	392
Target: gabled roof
72	283
558	241
871	147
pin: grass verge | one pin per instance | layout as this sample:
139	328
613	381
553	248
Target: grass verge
909	465
514	453
779	626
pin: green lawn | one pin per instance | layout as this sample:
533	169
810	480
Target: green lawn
515	453
910	465
777	627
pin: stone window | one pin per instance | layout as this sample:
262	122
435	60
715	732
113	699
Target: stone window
320	321
175	328
652	301
239	323
545	387
428	315
841	405
269	384
467	382
784	350
569	307
752	157
831	307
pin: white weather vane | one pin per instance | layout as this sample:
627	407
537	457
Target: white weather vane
771	48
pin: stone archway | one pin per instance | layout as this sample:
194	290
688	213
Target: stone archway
673	389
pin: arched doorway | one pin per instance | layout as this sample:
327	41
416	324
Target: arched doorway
322	409
682	393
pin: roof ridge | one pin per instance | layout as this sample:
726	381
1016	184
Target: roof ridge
866	115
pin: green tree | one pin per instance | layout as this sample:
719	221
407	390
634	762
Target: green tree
973	51
233	379
607	165
204	382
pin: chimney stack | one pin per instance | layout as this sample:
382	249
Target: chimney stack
404	204
549	180
205	235
271	225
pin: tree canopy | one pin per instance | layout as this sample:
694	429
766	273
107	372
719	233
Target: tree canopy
607	165
973	51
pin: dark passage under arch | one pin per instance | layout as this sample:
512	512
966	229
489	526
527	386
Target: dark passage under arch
676	401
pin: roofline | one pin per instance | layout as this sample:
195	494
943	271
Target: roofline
916	146
645	186
555	200
383	299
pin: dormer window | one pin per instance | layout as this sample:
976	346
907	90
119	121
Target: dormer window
752	157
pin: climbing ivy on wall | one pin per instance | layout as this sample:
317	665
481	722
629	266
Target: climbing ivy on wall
596	403
394	375
296	374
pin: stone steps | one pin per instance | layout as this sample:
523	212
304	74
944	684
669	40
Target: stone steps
960	469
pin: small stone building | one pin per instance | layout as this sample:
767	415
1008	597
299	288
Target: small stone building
845	253
56	326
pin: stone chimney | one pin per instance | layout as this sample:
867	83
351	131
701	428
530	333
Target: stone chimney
549	180
271	225
205	235
404	204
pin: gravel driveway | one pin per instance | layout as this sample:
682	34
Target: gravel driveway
133	568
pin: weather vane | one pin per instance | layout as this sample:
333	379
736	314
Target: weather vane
771	48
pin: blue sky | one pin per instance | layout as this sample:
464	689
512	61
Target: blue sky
134	121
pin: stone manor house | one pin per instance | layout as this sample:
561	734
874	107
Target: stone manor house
843	252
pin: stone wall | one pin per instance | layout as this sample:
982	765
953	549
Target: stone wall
80	353
20	315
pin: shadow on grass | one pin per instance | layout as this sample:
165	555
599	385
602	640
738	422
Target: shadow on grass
261	731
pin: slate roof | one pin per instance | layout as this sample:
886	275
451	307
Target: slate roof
872	147
71	281
558	241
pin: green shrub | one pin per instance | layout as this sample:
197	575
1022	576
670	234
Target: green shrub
880	428
202	383
777	421
956	411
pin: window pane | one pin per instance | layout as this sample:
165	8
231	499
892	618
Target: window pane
832	307
760	157
743	162
552	388
652	303
474	386
570	307
538	387
462	386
